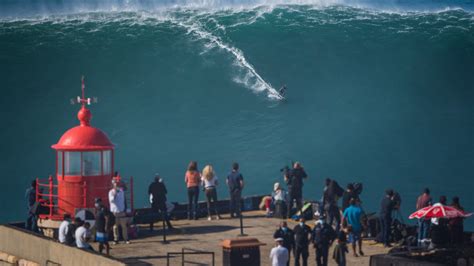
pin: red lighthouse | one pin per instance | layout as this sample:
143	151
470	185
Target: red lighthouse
84	163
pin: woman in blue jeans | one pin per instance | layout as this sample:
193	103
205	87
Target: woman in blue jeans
192	179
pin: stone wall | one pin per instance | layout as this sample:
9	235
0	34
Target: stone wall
45	251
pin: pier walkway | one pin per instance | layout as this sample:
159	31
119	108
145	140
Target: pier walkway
206	235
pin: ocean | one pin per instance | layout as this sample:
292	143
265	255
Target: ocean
379	92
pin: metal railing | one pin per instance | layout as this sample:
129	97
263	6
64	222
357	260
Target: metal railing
189	252
50	198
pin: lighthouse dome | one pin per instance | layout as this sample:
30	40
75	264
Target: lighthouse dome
84	137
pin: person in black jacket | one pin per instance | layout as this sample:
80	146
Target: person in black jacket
71	230
294	180
157	191
288	238
30	195
387	205
302	236
322	237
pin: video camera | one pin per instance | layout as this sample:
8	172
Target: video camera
357	188
285	169
397	199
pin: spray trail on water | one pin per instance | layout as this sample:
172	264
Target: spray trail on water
252	79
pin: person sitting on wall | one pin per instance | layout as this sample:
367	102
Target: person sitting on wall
63	228
83	236
71	232
279	196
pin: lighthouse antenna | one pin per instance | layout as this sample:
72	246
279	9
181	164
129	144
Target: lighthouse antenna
83	100
83	87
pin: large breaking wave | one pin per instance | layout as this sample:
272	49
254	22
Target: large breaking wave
208	21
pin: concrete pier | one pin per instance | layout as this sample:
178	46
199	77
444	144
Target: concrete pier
206	235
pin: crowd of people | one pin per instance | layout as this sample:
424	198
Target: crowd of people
345	224
334	224
114	220
437	232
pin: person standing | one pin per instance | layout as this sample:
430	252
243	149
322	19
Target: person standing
63	228
192	178
456	225
117	207
330	198
235	182
294	180
302	236
288	237
322	236
279	254
348	194
157	192
424	200
439	231
387	205
340	250
352	215
30	195
209	183
102	224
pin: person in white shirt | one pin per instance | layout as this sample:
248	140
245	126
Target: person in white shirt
117	207
63	228
209	183
279	254
83	236
279	196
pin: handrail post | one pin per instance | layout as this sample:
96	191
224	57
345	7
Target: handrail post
84	200
50	196
182	257
131	193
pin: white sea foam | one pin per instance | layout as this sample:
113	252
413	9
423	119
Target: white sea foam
250	78
44	8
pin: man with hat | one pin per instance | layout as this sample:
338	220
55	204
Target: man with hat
157	192
117	207
279	254
288	237
102	225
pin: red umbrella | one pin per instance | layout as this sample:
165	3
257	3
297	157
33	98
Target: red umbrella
438	211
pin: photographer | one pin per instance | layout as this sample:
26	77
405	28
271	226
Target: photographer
387	205
294	180
350	193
